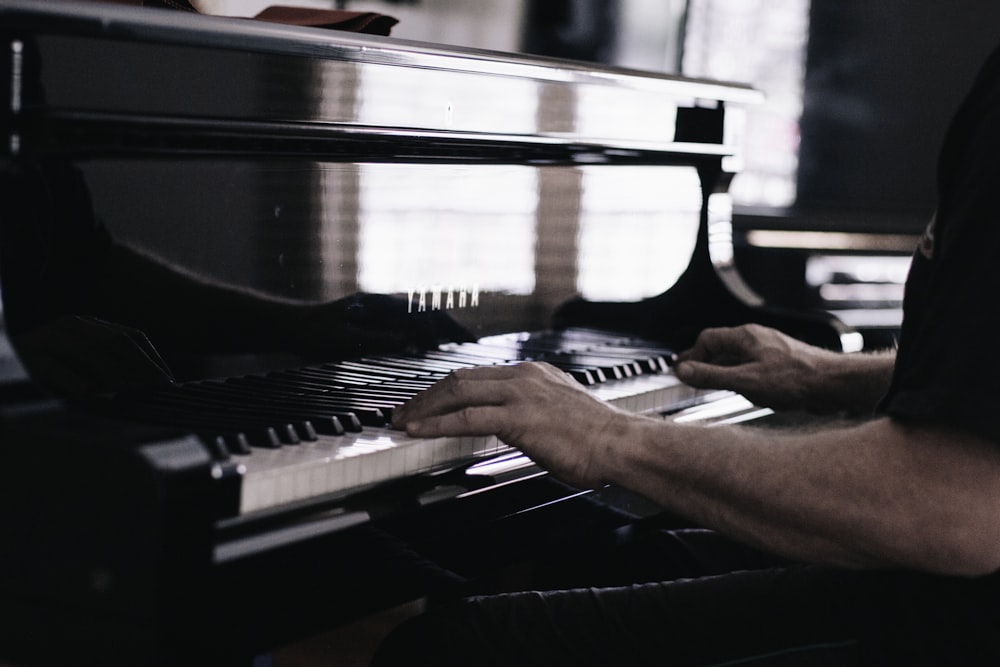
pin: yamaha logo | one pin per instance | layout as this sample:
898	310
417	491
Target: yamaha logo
422	299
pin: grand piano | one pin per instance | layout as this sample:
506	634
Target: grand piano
228	249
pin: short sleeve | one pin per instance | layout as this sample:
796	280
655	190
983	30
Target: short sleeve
947	365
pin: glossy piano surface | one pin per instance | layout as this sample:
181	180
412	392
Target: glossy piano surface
202	215
316	168
205	68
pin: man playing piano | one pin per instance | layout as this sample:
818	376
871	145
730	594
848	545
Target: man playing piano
874	542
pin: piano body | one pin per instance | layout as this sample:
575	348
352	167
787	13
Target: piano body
229	248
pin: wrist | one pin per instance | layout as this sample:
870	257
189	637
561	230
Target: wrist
635	451
853	382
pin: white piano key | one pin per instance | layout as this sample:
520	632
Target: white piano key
300	484
319	476
413	458
265	496
347	458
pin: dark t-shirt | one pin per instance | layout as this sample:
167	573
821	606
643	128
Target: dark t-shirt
948	362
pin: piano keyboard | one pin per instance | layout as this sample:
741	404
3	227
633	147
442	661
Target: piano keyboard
312	432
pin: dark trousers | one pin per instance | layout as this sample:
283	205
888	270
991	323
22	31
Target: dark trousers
692	597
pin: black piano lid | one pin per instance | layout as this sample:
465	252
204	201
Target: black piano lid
126	23
442	89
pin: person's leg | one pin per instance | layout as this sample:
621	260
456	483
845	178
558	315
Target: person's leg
791	615
740	616
644	553
613	608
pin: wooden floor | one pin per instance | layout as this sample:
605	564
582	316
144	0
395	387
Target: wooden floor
352	645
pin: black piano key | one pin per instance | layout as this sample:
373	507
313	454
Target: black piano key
320	407
308	431
585	376
657	360
498	354
288	434
414	385
612	366
545	349
276	385
387	394
374	369
419	365
236	443
328	425
579	349
254	435
264	436
646	363
299	401
467	359
304	383
324	378
217	446
353	413
356	399
189	404
602	370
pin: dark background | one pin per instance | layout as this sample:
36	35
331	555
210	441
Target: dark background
883	78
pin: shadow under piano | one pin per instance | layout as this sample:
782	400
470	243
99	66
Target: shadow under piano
229	249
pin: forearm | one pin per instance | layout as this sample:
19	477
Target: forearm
872	495
852	382
877	494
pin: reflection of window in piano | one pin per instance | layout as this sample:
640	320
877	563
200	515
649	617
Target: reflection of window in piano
761	42
392	97
425	225
638	227
599	114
